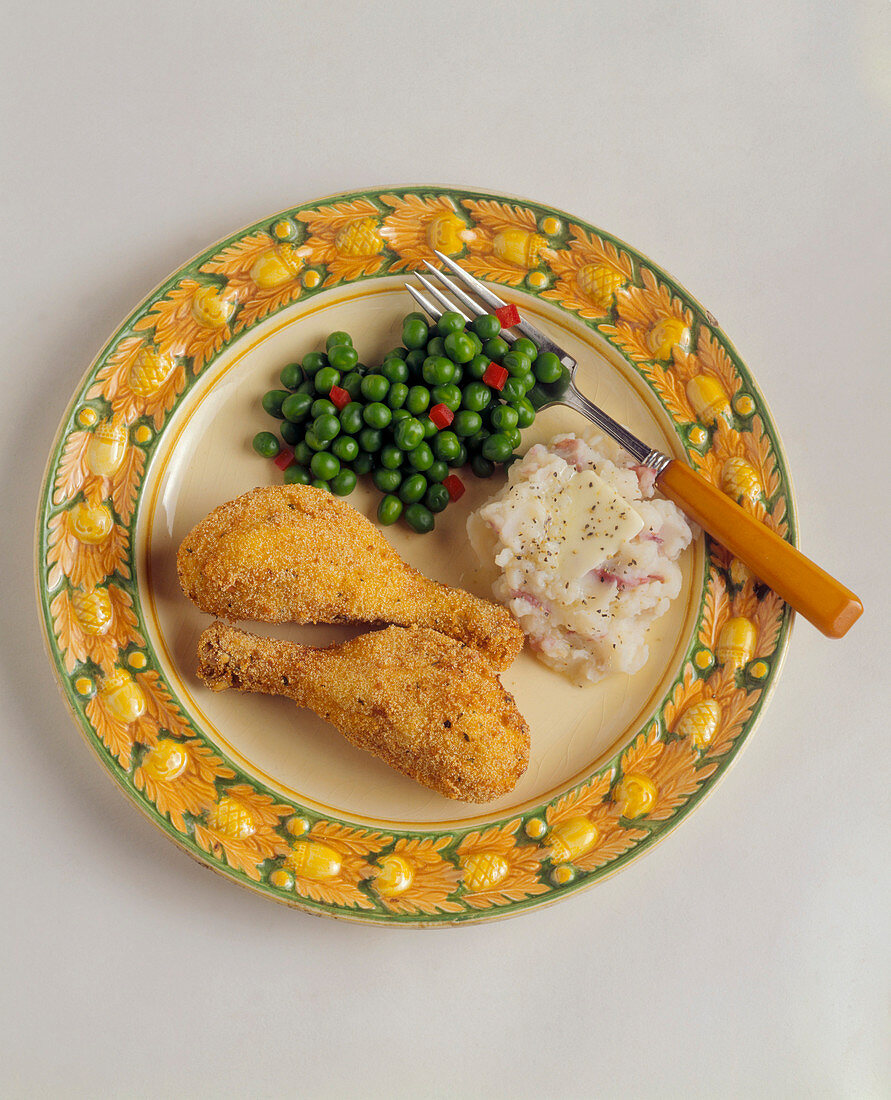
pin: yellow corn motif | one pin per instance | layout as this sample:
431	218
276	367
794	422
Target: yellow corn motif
277	266
394	877
90	523
519	246
148	372
699	722
123	699
708	398
736	642
212	307
444	233
310	859
599	283
92	609
483	870
665	334
231	818
107	447
636	795
572	838
739	479
166	761
359	238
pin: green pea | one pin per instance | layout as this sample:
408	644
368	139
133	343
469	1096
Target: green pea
459	460
325	379
325	465
343	357
391	456
524	346
418	399
430	429
291	433
421	457
450	396
496	348
296	407
343	483
445	445
296	475
414	359
291	376
515	363
313	442
513	434
352	383
475	442
413	488
394	370
547	367
449	322
477	367
326	427
322	407
436	346
303	453
397	395
497	447
370	439
399	414
419	518
307	387
439	471
466	422
457	374
351	420
513	390
525	412
313	362
273	401
389	510
338	338
459	347
388	481
414	332
374	387
345	447
363	463
504	416
436	498
437	370
320	483
481	466
397	353
266	445
476	397
476	341
486	326
377	415
409	434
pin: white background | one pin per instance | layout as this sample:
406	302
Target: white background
742	146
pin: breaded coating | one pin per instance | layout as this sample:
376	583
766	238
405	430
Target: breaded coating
293	553
427	705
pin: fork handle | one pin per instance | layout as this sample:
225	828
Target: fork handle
803	585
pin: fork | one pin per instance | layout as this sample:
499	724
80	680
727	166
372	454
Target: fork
821	599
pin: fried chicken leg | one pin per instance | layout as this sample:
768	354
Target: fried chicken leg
426	704
297	554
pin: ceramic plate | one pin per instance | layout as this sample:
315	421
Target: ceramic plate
158	433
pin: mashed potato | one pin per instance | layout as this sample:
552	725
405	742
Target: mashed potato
588	558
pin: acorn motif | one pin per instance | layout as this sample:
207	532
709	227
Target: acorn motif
445	233
599	282
212	306
637	795
483	870
736	642
740	573
699	722
310	859
149	371
572	838
519	246
708	398
92	609
394	876
232	818
166	761
277	266
107	447
122	697
359	238
739	479
90	523
668	333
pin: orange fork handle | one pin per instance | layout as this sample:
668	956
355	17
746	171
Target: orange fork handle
821	599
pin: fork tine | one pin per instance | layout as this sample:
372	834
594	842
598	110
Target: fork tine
430	309
469	281
439	296
453	288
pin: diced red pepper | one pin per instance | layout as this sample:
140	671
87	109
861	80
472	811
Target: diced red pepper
495	376
441	415
339	397
508	315
455	487
284	458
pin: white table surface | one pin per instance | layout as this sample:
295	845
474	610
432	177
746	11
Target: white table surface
743	147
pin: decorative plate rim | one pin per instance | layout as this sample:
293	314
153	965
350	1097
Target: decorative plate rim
87	595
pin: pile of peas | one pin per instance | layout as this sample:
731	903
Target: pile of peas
344	420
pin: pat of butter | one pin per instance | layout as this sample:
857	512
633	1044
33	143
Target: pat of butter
590	522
